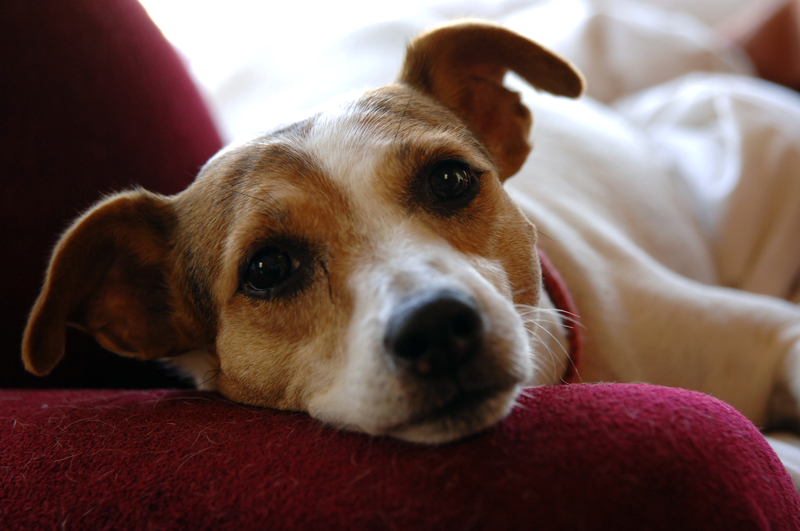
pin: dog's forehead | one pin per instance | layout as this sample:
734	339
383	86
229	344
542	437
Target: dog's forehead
388	113
388	118
349	140
355	148
355	141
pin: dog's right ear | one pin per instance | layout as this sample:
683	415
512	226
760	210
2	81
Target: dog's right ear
111	275
462	65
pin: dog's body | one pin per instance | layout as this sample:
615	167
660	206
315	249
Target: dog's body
642	273
366	264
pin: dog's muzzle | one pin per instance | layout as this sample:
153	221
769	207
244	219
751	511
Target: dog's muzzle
434	334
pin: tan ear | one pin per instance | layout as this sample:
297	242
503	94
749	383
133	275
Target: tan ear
463	64
110	275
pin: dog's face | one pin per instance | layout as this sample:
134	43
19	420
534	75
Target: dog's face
370	264
364	265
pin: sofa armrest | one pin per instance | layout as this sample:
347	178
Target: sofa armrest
569	457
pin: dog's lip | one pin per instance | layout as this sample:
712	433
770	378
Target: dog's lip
461	404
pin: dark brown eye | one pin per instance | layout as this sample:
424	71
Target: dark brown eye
450	180
269	268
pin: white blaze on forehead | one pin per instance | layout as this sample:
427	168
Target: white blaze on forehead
348	149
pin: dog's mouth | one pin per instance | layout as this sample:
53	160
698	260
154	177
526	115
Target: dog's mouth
466	402
467	412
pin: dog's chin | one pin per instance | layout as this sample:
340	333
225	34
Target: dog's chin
465	414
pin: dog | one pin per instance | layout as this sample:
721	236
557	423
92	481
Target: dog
373	265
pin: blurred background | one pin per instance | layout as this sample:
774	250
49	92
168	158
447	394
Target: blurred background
260	62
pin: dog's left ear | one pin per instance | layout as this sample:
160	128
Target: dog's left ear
463	64
114	274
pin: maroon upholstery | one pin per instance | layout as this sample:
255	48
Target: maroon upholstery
93	99
570	457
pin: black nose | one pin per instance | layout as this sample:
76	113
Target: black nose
436	333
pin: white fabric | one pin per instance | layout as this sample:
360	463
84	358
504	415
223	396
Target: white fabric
735	144
260	63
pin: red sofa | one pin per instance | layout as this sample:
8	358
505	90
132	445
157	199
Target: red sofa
93	99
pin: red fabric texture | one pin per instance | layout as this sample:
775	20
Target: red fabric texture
93	99
570	457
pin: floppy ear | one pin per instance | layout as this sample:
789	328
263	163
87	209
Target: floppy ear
463	64
110	275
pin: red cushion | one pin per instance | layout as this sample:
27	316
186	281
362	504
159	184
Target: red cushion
570	457
93	99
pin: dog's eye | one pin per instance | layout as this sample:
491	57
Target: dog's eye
268	268
450	180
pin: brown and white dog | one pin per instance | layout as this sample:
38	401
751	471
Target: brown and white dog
367	265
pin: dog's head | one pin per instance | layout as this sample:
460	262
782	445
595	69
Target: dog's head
364	264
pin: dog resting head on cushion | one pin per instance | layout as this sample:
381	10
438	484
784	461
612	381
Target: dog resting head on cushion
364	265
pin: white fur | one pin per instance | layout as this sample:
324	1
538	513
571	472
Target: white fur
407	260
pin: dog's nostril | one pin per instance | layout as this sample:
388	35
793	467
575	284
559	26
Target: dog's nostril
411	346
435	334
465	323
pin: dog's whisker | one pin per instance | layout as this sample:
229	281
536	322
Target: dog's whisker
525	393
230	192
555	359
518	404
207	378
533	321
568	319
521	291
540	232
402	119
549	333
538	339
